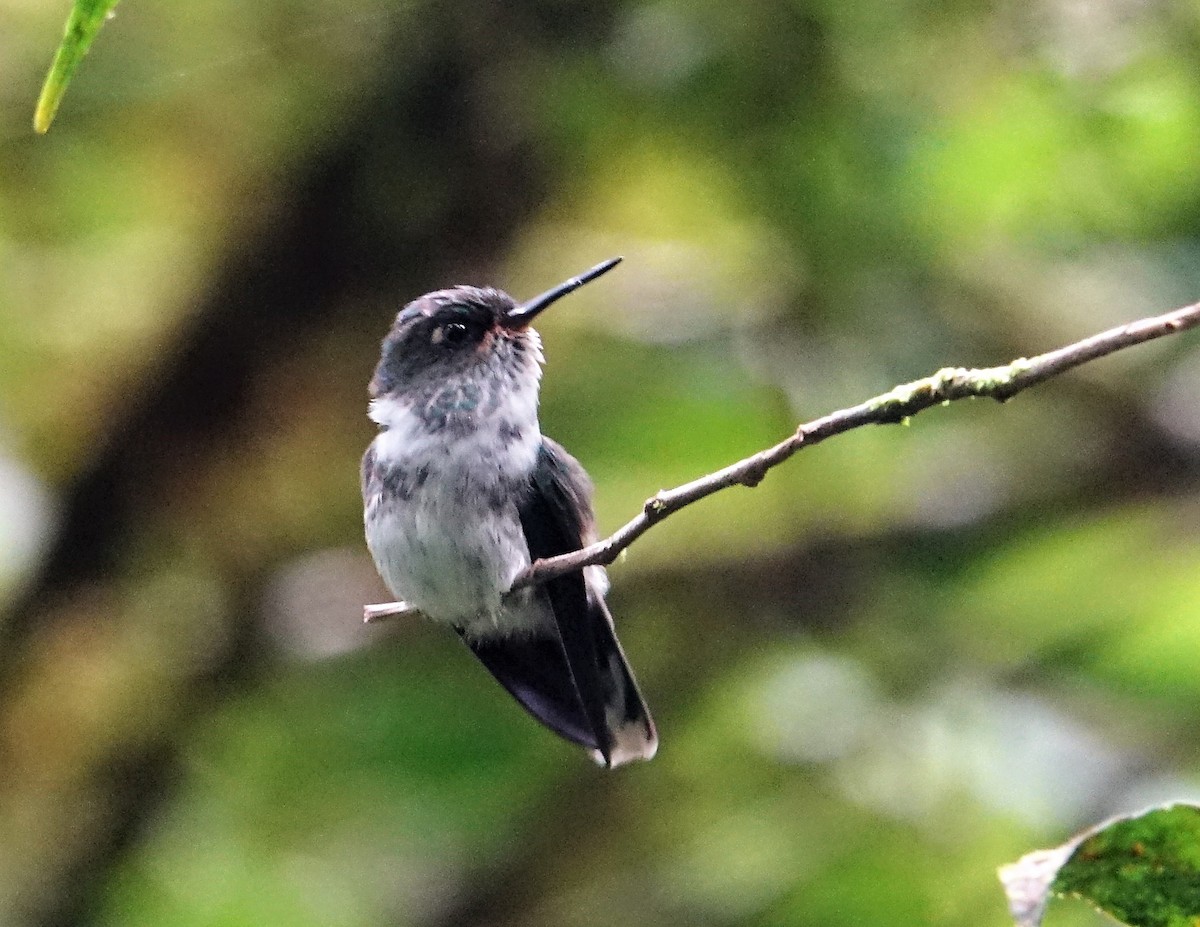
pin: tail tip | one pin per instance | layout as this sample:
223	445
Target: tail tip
632	742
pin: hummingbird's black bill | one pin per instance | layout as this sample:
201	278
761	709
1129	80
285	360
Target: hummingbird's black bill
524	313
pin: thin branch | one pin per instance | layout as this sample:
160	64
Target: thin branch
373	613
897	405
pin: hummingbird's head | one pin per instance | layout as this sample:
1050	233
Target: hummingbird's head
466	333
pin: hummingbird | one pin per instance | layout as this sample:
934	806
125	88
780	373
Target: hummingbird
462	492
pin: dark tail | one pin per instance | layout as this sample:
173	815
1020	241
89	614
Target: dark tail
581	687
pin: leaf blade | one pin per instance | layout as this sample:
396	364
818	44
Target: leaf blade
1141	869
83	23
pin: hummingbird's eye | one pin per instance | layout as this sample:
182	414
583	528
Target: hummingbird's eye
451	333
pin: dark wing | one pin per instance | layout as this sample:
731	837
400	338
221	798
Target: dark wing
555	515
576	682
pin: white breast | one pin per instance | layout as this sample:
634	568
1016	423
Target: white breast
454	546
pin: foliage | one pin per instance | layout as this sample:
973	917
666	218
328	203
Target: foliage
87	16
1144	870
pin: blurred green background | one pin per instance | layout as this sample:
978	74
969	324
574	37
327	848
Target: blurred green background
910	655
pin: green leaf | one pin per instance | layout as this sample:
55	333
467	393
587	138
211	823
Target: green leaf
1142	870
87	16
